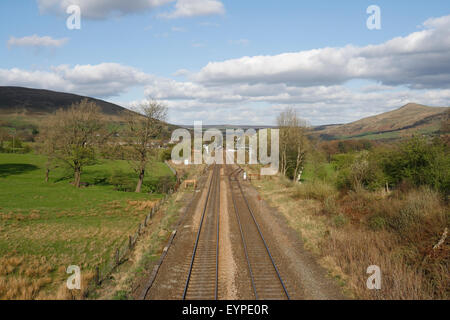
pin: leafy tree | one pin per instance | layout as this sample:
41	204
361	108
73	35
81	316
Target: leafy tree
72	135
420	161
293	143
4	136
359	169
143	129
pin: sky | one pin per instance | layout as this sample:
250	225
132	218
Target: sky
230	61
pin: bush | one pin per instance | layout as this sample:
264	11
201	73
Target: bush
286	182
416	215
339	220
420	208
330	206
359	170
166	154
419	161
377	223
319	190
165	184
122	181
16	143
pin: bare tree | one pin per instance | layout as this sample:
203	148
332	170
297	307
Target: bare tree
73	134
4	136
144	128
46	145
293	143
445	123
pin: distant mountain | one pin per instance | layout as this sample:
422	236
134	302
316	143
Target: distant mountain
230	126
23	109
18	100
409	119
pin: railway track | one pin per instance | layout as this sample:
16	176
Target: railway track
202	278
265	277
200	271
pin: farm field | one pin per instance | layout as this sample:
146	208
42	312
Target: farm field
45	227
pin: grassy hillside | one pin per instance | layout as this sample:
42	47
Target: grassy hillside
45	227
22	110
26	101
409	119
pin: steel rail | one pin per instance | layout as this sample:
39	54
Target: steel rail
252	279
217	238
213	179
260	234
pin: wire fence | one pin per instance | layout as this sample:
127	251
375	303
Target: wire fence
122	252
126	245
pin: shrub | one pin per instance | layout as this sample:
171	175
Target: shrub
166	154
421	209
286	182
319	190
122	181
165	183
419	161
16	143
377	223
330	206
339	220
416	215
359	170
120	295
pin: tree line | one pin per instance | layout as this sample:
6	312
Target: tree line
415	161
77	135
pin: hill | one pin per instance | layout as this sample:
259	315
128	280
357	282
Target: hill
22	110
18	100
411	118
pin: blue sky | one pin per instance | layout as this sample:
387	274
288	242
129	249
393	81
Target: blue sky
194	61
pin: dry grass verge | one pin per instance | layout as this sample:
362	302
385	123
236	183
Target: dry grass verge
351	232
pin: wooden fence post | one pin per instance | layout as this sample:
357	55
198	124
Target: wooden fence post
130	242
97	275
117	257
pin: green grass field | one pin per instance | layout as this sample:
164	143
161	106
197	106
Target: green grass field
45	227
310	173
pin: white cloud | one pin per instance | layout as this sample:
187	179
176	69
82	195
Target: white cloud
100	9
193	8
254	103
102	80
103	9
252	90
173	90
340	106
419	60
323	84
181	73
36	41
